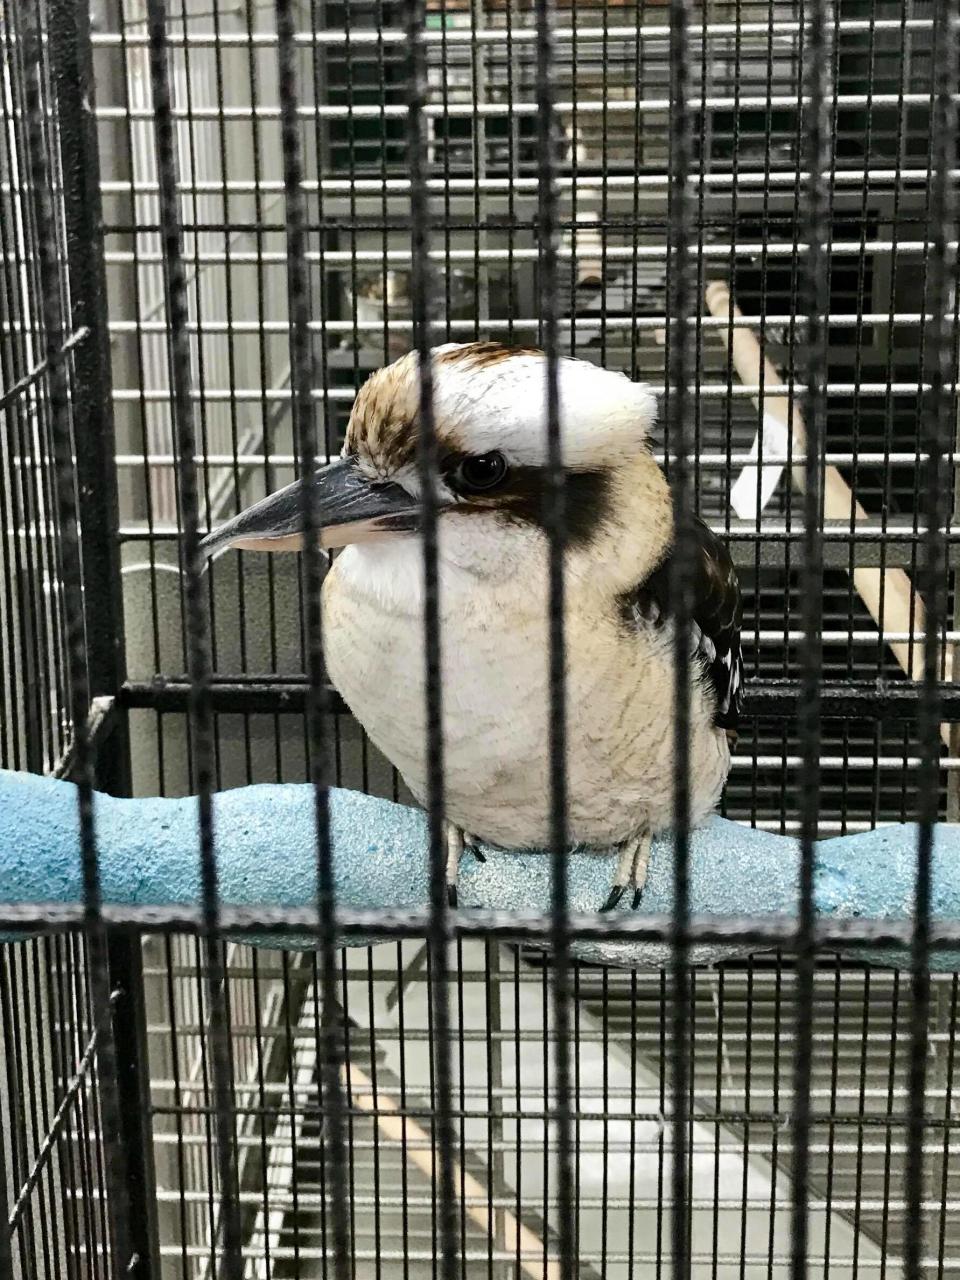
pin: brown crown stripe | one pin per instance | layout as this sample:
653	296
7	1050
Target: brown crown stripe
384	412
483	355
383	424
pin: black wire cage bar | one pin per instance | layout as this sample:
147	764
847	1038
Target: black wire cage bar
217	218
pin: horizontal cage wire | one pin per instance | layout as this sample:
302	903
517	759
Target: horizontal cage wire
217	219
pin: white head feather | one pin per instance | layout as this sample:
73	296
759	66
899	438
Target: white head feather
604	417
486	396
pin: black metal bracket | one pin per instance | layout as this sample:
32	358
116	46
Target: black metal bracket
102	720
125	959
879	700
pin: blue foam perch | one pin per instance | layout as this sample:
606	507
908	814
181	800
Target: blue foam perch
149	853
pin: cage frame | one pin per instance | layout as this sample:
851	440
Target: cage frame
102	694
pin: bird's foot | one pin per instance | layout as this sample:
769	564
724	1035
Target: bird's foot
455	845
472	845
458	843
631	871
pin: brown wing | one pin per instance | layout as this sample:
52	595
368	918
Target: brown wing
717	618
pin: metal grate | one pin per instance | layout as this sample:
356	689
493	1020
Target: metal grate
216	219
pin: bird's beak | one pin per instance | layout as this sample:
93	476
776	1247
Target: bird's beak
348	506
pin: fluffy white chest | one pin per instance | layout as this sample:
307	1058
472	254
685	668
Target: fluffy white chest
496	706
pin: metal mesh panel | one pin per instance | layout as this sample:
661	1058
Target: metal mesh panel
53	1154
740	1104
34	681
749	202
612	279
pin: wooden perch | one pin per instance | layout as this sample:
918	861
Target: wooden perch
420	1152
902	608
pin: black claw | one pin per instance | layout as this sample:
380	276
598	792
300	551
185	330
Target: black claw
637	898
616	893
452	896
478	853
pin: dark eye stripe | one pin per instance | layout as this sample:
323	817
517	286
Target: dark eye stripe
523	496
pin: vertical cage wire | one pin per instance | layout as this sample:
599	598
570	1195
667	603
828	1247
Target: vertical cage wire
818	162
557	529
935	428
227	1228
422	306
679	446
305	436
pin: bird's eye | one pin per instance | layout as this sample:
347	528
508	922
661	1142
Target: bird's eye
481	472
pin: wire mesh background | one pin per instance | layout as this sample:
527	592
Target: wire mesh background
718	1111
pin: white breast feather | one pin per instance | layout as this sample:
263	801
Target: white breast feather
495	703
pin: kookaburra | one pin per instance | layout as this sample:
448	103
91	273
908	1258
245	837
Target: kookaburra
490	415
